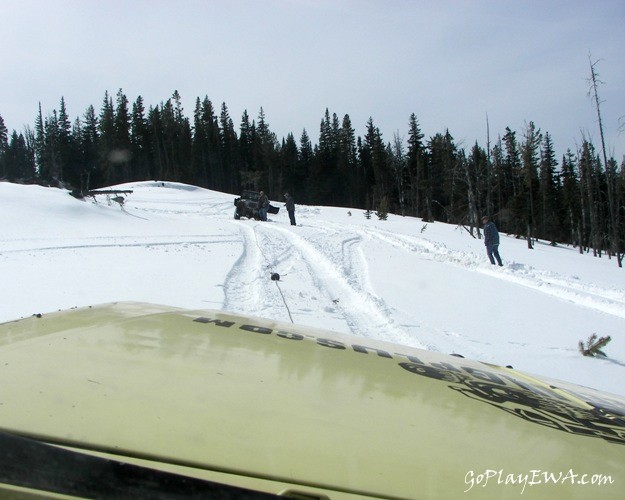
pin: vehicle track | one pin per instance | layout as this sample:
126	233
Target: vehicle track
119	242
330	263
607	300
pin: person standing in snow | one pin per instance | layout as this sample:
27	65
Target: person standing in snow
491	240
263	206
290	207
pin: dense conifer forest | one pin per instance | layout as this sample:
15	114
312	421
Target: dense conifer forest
578	199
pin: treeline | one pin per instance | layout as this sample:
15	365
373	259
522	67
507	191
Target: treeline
579	200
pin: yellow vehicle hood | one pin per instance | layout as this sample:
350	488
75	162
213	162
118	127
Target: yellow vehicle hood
281	408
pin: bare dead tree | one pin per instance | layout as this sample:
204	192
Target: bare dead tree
610	168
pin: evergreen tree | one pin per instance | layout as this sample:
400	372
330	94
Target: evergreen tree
288	167
380	166
347	175
304	165
206	144
106	142
620	217
614	200
549	192
416	159
67	156
121	154
398	165
89	147
264	145
446	176
157	143
530	155
513	192
4	144
250	179
497	178
589	184
571	201
229	153
169	138
52	159
182	144
18	159
40	145
140	140
325	176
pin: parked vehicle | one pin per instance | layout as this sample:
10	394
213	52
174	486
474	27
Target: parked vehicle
247	205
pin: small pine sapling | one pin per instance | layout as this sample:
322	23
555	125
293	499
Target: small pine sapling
382	212
594	346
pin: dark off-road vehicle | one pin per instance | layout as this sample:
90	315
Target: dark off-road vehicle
247	206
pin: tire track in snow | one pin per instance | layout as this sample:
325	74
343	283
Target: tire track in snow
610	301
340	279
140	244
247	287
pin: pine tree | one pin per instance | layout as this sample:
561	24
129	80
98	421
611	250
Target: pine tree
40	145
549	192
324	176
51	150
348	174
248	175
446	180
497	178
398	163
589	184
89	146
415	158
571	201
513	190
530	155
67	157
264	151
18	159
382	212
288	166
4	144
380	165
229	153
140	140
304	165
121	154
106	142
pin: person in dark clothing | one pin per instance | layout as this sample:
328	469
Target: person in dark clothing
263	206
491	240
290	207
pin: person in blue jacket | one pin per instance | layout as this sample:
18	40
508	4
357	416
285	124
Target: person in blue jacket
491	240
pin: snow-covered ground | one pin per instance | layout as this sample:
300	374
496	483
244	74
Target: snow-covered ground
401	280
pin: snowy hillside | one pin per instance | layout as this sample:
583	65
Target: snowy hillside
400	280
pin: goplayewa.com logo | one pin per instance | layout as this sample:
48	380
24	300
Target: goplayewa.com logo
533	478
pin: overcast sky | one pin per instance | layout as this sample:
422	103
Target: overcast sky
452	63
